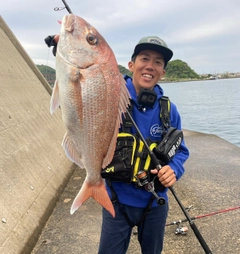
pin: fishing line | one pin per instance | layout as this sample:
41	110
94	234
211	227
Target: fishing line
45	70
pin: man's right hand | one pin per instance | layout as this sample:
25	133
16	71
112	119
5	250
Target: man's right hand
52	40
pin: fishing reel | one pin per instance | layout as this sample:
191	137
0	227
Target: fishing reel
143	181
181	230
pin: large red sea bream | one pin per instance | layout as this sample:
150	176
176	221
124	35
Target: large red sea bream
92	95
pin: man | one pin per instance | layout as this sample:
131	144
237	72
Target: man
147	65
134	206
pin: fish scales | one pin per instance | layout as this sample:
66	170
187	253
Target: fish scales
93	96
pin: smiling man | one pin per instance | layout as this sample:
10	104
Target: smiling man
134	206
152	55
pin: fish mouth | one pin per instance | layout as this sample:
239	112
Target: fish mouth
68	22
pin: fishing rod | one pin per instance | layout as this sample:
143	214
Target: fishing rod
203	215
158	166
67	7
61	8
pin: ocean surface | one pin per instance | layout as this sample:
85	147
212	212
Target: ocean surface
211	106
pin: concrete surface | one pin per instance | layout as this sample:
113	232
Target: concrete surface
33	167
211	183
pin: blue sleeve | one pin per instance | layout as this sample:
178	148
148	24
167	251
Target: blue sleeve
182	154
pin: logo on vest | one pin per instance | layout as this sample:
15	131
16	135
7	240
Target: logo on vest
156	130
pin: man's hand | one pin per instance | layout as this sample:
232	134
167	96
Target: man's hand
165	175
52	40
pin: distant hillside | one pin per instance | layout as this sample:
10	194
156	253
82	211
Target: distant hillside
177	70
48	73
124	70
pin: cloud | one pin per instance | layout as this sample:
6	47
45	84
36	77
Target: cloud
202	33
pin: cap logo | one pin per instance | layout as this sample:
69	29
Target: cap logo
155	41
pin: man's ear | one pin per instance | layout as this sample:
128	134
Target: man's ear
130	66
164	72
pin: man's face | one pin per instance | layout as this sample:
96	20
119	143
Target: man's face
147	69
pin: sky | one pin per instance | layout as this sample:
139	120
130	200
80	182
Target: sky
205	34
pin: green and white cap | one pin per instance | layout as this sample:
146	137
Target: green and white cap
156	44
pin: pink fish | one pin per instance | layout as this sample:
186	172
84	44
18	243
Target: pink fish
93	96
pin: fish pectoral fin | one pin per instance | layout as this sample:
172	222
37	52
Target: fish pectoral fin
71	152
97	192
55	102
123	104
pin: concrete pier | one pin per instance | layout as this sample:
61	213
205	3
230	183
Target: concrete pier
210	184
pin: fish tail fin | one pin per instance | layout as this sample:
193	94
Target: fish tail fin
98	193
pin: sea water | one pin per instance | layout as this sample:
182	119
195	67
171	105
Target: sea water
210	106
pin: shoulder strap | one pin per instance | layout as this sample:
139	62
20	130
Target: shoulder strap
164	115
127	123
165	112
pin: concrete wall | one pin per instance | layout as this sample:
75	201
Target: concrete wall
33	165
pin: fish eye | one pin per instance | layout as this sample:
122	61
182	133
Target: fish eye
92	39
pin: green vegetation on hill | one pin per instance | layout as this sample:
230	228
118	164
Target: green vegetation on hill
124	70
48	73
176	70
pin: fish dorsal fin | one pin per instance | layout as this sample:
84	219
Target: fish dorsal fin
71	152
54	103
123	104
